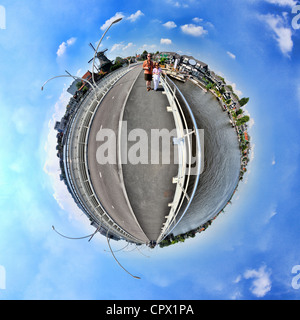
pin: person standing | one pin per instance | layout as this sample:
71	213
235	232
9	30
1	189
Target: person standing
156	75
148	69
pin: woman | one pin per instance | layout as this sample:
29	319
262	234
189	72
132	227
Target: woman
148	68
156	75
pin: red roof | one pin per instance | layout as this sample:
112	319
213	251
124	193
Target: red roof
246	136
87	75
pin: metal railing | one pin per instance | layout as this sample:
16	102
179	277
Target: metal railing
76	165
185	185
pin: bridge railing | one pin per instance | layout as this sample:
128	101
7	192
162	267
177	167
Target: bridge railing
189	156
75	151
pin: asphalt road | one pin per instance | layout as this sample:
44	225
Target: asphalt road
149	185
136	196
106	178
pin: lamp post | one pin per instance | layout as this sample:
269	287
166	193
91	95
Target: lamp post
135	277
66	76
79	238
115	21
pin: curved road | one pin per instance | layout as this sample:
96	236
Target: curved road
136	196
106	178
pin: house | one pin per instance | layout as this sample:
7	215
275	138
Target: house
212	77
170	56
61	126
87	76
190	64
227	95
73	87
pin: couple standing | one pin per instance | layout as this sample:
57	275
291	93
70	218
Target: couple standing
151	69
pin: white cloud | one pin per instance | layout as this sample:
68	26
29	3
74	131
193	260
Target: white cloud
148	46
283	34
193	30
272	214
109	21
71	41
261	283
165	41
116	47
63	46
267	216
197	20
231	55
236	91
288	3
121	46
135	16
129	45
79	72
61	49
170	25
178	4
237	279
251	122
273	161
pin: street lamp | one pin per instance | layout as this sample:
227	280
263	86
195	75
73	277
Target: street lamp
135	277
115	21
79	238
66	76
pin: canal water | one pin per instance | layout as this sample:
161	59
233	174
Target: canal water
221	158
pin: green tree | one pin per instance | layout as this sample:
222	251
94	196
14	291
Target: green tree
116	66
243	101
118	60
84	89
162	60
78	85
243	120
209	86
144	55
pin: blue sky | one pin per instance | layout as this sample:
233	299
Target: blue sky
249	251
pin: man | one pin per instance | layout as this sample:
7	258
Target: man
148	68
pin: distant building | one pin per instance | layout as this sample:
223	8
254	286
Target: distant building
73	87
60	126
87	76
171	57
57	126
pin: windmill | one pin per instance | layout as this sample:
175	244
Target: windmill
104	62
